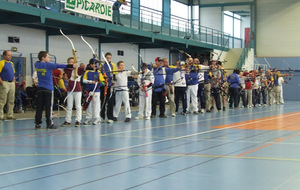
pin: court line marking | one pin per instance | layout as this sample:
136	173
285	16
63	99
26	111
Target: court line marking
173	155
269	144
135	146
147	128
287	181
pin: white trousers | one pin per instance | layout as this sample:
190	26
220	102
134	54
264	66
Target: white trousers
191	98
94	108
281	95
71	97
145	102
122	97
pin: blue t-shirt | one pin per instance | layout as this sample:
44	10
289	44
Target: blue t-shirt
44	73
234	80
7	70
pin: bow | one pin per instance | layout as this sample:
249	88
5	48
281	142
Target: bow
73	52
75	62
94	54
290	70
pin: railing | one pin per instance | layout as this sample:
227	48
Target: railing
151	20
244	54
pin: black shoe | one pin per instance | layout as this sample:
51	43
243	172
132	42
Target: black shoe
51	127
77	124
152	116
38	127
127	120
162	116
183	113
224	109
11	118
115	119
66	124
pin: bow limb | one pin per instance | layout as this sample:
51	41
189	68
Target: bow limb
106	61
133	68
94	53
73	52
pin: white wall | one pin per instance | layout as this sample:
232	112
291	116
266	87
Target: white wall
149	55
278	28
130	53
211	17
31	41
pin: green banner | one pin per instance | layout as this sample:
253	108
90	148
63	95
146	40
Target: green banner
94	8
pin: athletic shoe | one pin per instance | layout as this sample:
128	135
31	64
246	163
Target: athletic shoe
259	105
77	124
224	109
51	127
152	116
87	122
173	115
139	117
183	113
110	121
162	116
195	112
265	105
11	118
115	119
66	124
147	118
96	122
38	127
127	120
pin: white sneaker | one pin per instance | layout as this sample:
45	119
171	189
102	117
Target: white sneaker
173	115
110	121
202	111
265	105
259	105
139	117
87	122
147	118
96	122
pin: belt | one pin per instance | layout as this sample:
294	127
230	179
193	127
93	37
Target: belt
8	80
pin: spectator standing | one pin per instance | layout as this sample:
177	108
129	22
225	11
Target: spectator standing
7	86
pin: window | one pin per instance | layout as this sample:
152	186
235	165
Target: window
232	24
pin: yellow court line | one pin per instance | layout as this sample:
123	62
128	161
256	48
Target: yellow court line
162	155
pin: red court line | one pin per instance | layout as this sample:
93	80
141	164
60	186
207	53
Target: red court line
267	145
286	122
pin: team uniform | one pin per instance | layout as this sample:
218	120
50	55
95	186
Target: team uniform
170	70
74	94
234	83
146	79
122	94
158	88
93	109
192	89
180	91
7	90
107	98
44	91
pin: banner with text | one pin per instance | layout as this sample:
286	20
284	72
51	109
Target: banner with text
94	8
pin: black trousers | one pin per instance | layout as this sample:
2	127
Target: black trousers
180	95
234	97
215	92
201	95
158	96
109	99
44	97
